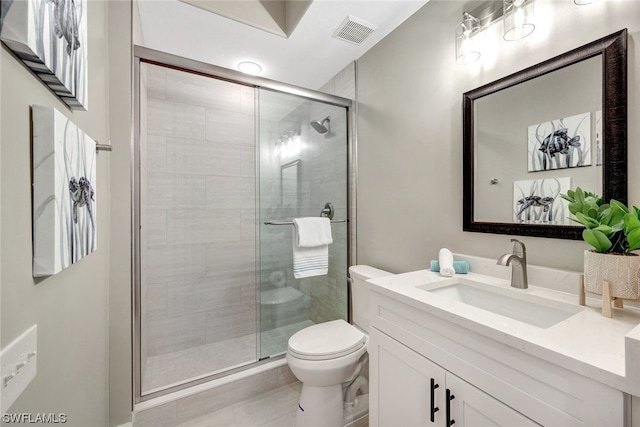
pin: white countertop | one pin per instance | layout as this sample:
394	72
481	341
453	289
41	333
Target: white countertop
586	342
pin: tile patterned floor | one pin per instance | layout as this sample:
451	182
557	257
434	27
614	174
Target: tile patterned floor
272	409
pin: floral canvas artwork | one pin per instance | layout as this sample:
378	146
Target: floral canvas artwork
538	201
50	37
64	192
559	144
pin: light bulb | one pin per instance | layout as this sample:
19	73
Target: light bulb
518	19
466	51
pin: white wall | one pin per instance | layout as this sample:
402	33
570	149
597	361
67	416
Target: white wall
71	308
410	129
120	123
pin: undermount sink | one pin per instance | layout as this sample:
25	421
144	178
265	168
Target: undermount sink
512	303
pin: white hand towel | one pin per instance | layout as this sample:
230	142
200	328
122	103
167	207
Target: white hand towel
311	239
445	258
312	231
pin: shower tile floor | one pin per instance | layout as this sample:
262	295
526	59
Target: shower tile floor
175	368
275	408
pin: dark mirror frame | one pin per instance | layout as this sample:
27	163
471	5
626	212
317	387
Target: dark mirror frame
613	49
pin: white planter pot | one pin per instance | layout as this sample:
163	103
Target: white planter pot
621	271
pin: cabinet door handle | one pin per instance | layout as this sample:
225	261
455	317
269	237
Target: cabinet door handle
434	408
450	397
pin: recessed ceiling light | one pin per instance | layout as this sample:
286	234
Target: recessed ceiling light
249	67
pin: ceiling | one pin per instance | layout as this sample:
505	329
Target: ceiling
293	44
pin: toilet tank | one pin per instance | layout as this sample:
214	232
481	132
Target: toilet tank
360	293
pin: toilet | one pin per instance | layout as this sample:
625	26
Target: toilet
328	359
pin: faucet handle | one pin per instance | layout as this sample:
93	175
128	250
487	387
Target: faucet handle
519	248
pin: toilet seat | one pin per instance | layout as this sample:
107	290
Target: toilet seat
325	341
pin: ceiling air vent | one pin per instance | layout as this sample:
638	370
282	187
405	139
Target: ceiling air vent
354	30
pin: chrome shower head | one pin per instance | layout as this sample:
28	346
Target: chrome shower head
321	126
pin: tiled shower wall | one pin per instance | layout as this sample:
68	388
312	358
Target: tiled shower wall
198	220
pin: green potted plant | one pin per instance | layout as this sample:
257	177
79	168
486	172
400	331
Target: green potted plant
613	230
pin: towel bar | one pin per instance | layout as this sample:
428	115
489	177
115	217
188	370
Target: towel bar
291	222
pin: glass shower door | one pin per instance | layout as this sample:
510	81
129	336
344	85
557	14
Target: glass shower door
302	166
197	227
215	161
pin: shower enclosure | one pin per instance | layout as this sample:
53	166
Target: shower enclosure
223	164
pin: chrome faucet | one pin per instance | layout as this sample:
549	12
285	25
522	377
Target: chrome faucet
518	262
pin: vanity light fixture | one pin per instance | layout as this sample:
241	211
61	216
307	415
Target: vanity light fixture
249	67
288	144
466	51
518	19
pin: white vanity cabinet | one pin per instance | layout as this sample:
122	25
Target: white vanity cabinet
494	384
409	390
403	385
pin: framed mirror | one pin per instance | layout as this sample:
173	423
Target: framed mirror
289	177
531	136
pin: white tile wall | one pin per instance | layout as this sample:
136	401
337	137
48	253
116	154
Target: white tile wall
171	119
192	226
230	257
231	192
169	190
175	333
230	127
197	157
175	262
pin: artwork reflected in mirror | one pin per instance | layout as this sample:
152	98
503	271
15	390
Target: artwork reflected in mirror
559	144
532	135
538	201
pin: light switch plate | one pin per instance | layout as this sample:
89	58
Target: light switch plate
18	363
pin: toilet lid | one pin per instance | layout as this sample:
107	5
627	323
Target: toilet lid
327	340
